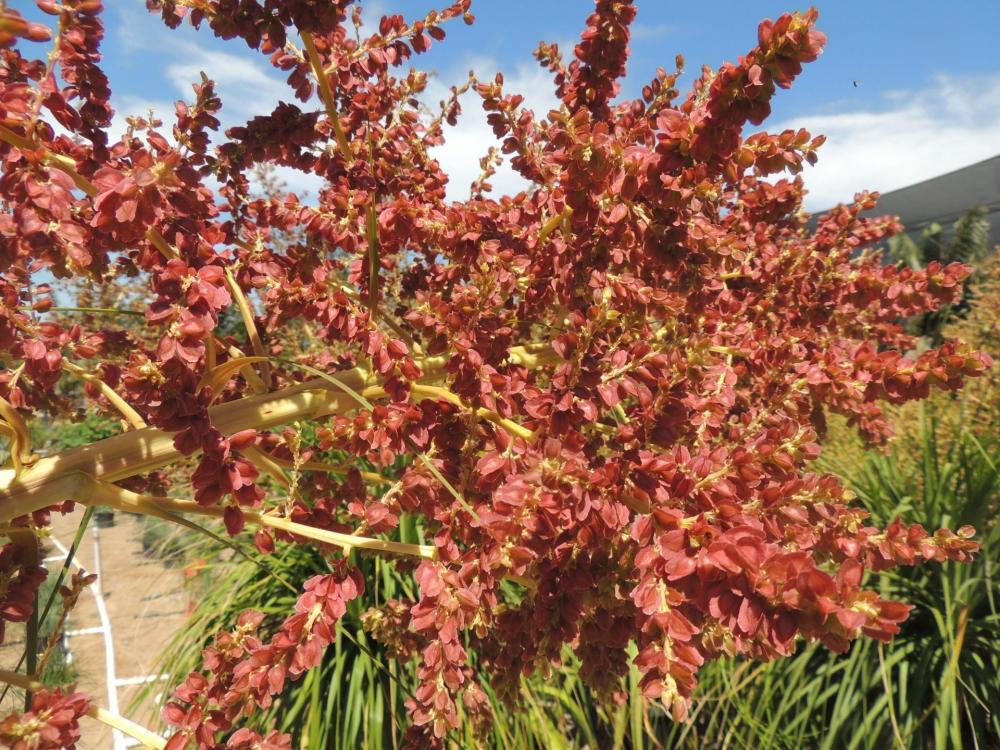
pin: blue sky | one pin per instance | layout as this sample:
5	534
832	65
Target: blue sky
927	99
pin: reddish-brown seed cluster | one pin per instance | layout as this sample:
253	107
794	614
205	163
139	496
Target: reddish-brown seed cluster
53	723
245	673
607	389
19	582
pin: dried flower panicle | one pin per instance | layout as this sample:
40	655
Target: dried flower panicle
244	672
53	723
20	579
607	389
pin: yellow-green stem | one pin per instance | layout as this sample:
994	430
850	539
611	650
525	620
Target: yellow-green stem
131	415
326	95
126	726
248	322
108	494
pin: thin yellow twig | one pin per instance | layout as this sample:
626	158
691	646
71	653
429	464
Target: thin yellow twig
553	223
126	726
252	378
60	162
248	322
265	463
109	494
68	166
443	394
312	55
370	476
130	414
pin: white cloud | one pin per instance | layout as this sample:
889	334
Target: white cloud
245	82
642	31
470	139
918	134
245	87
126	106
371	13
305	186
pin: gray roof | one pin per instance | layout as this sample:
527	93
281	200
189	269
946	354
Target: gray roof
945	198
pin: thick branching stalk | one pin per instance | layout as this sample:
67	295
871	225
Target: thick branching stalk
57	478
102	493
131	415
126	726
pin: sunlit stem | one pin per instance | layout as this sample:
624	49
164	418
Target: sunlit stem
88	310
68	166
14	427
312	55
373	262
552	224
131	415
109	494
252	378
371	229
12	383
62	163
248	322
443	394
136	731
157	240
211	353
266	464
217	377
